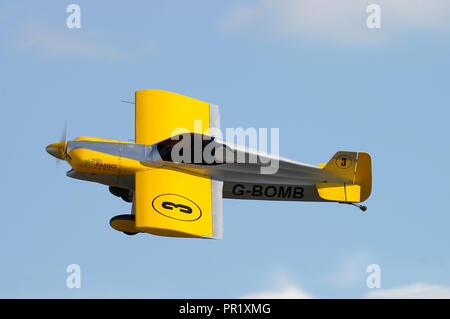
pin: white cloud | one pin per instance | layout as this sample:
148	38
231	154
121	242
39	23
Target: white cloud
335	21
414	291
281	280
351	271
63	42
85	42
286	292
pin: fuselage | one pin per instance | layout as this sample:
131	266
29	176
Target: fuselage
85	160
115	163
103	168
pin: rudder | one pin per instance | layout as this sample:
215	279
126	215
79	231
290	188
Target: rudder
355	171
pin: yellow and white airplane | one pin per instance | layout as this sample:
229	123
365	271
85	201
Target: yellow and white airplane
175	175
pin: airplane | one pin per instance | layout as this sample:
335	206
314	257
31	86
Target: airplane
175	175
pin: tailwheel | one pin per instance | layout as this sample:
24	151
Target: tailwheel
124	223
361	207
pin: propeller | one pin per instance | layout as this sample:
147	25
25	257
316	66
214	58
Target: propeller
64	133
59	149
62	139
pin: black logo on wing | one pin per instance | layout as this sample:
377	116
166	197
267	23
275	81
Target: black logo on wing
177	207
183	208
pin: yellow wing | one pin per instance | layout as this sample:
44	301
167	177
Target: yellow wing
169	202
172	203
161	115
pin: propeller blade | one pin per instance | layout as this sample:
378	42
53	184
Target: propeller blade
64	133
62	139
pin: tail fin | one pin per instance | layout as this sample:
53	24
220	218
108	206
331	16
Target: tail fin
343	165
356	170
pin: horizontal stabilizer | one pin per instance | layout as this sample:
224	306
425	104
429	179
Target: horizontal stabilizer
340	192
356	170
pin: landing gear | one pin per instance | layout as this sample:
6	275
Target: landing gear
117	191
127	197
125	194
124	223
361	207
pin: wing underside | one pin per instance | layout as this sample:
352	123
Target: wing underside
171	203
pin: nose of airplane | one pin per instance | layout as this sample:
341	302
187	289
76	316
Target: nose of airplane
57	150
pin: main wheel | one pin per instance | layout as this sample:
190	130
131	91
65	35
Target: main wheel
128	233
127	198
124	223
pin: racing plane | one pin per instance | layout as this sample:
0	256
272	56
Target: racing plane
175	174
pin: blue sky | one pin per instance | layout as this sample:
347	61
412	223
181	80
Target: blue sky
312	69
